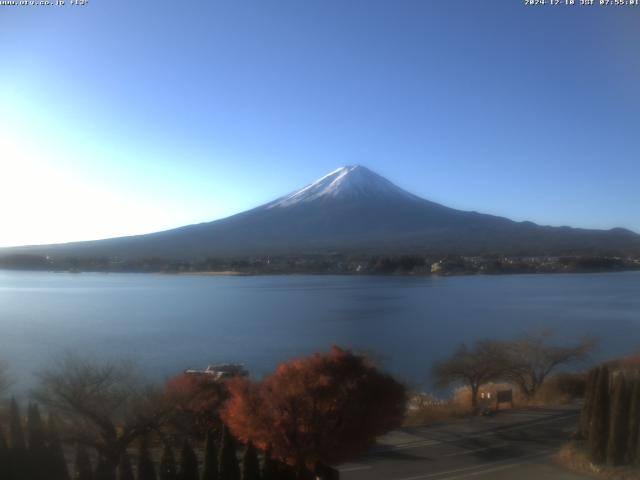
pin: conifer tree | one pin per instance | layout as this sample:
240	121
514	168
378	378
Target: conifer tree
599	424
587	407
250	464
285	472
105	470
619	423
269	467
15	427
636	460
168	470
303	473
82	469
227	459
56	461
125	471
146	469
4	457
37	449
210	469
19	464
35	429
188	463
634	421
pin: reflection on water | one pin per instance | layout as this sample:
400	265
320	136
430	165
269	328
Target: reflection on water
167	323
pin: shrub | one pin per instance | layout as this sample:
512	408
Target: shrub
326	408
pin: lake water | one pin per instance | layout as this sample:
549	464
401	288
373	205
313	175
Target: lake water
168	322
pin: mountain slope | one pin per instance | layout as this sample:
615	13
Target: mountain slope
353	210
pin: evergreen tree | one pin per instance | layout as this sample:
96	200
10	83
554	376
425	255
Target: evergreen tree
37	450
19	463
599	424
15	427
228	459
146	469
168	470
210	469
105	470
636	460
250	464
587	407
285	472
634	421
82	469
4	457
188	463
619	423
125	471
56	462
269	467
303	473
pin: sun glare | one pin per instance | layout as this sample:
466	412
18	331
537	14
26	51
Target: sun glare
43	200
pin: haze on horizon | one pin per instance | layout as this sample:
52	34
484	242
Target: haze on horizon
122	118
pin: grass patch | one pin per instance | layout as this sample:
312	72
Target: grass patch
573	457
427	409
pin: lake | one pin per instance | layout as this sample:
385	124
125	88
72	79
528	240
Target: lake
167	323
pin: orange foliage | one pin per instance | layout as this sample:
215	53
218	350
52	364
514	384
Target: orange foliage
326	408
197	401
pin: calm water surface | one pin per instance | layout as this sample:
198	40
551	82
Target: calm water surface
167	323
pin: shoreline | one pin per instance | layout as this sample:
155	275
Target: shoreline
235	273
212	273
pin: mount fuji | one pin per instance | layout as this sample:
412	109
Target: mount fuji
352	210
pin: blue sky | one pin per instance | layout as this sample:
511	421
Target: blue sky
124	117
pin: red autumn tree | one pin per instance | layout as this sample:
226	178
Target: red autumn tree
324	409
197	401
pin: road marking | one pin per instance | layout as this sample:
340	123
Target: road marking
526	414
355	468
427	443
492	470
468	452
503	465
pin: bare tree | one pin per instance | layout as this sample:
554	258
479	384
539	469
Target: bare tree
472	367
105	406
532	358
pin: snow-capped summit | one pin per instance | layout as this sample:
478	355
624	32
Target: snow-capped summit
345	182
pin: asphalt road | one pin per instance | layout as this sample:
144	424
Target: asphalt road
513	444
